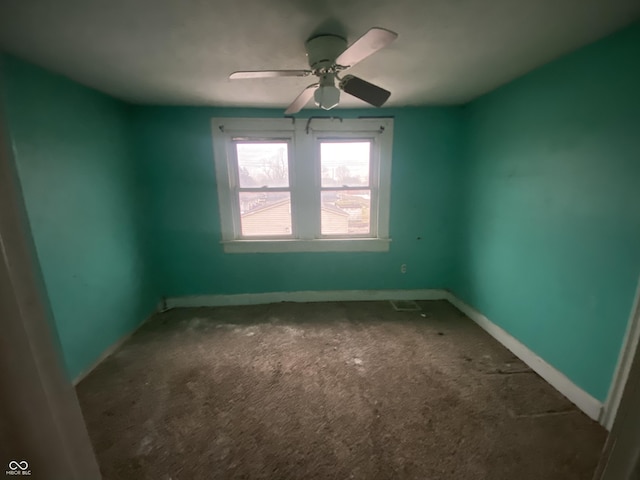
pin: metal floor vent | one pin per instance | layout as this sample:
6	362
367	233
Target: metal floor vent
405	305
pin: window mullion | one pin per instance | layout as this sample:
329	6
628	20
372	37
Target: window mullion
305	190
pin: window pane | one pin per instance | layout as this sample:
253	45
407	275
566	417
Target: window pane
346	212
263	165
345	163
265	213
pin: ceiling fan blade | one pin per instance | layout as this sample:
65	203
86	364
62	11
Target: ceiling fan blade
301	100
368	44
269	74
364	90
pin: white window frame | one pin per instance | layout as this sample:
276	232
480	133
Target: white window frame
236	189
304	136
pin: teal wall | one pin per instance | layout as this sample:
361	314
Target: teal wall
551	251
525	203
182	209
73	155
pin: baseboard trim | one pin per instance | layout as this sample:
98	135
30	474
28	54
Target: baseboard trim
580	398
304	296
109	350
625	359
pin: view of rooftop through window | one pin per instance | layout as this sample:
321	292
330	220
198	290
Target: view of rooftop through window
345	170
265	197
263	167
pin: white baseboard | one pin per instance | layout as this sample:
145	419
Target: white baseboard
305	296
623	367
583	400
112	348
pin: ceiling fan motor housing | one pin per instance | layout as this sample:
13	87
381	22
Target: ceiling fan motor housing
323	50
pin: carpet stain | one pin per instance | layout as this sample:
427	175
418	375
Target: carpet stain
338	390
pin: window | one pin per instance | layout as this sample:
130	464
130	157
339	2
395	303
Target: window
303	185
263	191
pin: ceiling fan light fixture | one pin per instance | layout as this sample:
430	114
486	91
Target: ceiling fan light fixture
327	96
328	56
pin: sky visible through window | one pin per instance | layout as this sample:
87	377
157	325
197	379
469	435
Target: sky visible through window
345	163
265	165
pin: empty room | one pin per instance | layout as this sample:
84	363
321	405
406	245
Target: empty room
320	240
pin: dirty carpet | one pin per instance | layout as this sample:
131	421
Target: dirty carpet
342	390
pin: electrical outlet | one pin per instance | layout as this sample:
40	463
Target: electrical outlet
403	268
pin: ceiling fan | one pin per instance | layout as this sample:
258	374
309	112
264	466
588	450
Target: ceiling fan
328	56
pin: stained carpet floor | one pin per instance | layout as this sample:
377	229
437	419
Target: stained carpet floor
344	390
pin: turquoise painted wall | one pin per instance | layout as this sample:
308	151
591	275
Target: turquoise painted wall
73	155
524	202
182	209
552	245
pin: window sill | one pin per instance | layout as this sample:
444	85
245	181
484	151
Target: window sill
321	245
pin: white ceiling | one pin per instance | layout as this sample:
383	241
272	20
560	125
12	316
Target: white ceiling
181	51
